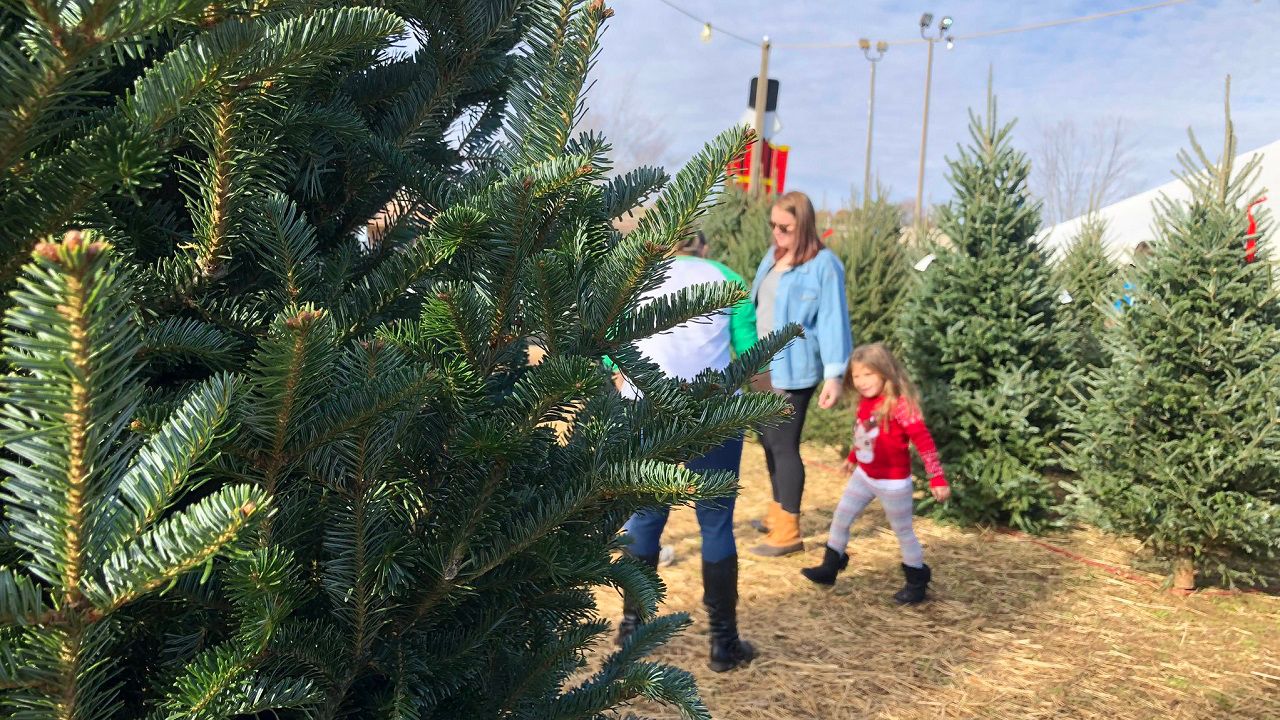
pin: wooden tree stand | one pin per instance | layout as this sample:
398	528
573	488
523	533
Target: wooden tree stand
1184	574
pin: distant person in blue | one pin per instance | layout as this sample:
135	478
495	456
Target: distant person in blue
1141	251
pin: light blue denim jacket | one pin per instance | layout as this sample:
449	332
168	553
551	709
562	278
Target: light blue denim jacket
812	296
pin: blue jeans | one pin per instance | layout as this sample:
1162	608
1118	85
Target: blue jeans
715	516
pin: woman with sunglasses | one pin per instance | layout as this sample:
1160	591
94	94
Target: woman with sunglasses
799	281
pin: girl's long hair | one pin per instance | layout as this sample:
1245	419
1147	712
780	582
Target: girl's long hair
807	243
897	384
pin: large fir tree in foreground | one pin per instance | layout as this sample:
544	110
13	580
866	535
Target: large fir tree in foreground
262	464
979	332
1178	441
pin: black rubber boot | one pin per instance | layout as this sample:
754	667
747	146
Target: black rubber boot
720	595
917	586
832	563
631	608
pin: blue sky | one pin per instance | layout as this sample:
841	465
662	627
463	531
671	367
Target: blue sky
1159	71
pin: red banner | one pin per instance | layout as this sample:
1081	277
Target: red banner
774	168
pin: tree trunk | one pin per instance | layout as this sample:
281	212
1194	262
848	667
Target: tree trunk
1184	573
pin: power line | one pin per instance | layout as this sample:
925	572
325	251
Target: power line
920	41
1072	21
1003	31
708	23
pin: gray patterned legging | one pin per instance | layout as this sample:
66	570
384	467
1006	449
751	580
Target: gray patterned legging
895	495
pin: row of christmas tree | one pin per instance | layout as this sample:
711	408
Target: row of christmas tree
1161	412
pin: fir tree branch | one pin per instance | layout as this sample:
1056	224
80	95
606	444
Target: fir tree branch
165	463
175	340
687	305
624	677
21	601
289	375
456	552
350	577
627	192
563	651
349	413
212	246
69	51
636	269
221	683
75	309
178	544
74	339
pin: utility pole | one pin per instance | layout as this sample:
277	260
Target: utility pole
925	21
756	178
881	48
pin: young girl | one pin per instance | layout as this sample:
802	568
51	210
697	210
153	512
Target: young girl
888	419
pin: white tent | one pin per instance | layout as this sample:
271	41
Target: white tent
1129	221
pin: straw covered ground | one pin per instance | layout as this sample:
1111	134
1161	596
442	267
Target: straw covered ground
1015	629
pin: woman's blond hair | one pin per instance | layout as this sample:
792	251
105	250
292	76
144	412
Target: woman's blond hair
897	384
807	243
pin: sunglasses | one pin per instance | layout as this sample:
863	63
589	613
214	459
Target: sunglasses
784	229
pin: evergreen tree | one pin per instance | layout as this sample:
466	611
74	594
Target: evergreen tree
1178	442
979	332
1088	275
399	532
737	227
877	264
1089	281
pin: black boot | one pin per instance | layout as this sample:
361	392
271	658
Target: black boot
832	563
720	594
630	608
917	585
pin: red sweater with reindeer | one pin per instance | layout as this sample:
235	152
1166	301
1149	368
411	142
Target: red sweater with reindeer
883	449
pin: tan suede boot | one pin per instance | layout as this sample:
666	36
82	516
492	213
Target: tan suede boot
783	537
769	519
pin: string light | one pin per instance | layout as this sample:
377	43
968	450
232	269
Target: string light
706	25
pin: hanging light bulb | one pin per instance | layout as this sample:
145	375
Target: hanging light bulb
706	32
951	42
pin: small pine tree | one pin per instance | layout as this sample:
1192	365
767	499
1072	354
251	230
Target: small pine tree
877	264
1087	273
737	227
979	333
1090	282
1177	442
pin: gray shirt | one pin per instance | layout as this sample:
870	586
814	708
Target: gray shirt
765	301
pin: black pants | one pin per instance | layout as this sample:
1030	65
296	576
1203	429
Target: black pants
782	452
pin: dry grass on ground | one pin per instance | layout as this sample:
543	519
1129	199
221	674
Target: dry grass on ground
1015	631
